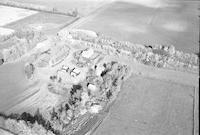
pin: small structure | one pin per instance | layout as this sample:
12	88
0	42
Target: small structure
95	108
99	70
75	72
92	87
87	53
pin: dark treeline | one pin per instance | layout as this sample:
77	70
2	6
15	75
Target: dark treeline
31	119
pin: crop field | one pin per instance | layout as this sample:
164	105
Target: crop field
46	22
149	106
11	14
176	24
12	83
83	6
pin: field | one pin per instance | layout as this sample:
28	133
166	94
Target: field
12	84
46	22
149	106
10	14
84	6
175	24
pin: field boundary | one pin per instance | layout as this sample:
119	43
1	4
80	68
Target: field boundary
90	16
34	7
